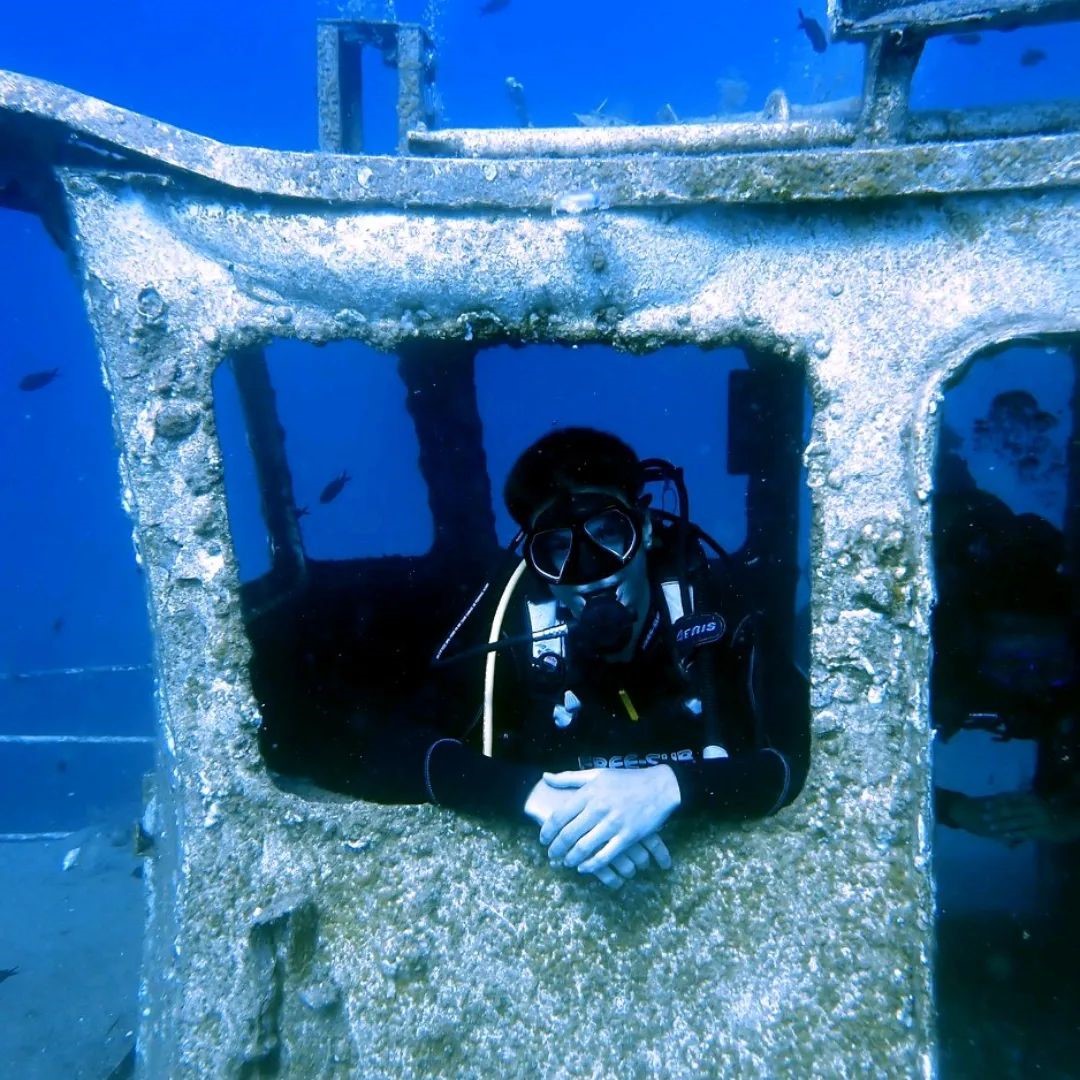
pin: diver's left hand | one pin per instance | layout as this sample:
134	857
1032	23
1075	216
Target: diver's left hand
611	810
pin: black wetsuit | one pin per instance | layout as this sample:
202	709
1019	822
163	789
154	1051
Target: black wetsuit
632	715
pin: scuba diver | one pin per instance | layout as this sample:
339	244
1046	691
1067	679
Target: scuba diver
624	676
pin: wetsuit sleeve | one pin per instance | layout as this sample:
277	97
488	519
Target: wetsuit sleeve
768	775
457	776
420	754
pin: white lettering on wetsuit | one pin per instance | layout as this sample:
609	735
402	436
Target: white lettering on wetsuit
633	761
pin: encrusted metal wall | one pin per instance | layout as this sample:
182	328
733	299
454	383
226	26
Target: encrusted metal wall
335	938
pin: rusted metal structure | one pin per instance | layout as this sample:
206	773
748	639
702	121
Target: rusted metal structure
341	44
871	250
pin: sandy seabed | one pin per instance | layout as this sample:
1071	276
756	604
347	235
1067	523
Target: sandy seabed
74	937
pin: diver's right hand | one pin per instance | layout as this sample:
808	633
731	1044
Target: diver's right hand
544	800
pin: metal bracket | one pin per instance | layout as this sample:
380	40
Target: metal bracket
404	46
891	60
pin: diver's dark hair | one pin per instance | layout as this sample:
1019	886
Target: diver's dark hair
569	458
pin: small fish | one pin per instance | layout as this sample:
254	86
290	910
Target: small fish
58	624
815	35
302	512
334	488
967	39
6	973
1031	57
35	380
492	6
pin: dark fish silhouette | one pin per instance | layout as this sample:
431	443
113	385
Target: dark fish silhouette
302	512
813	31
967	39
334	488
6	973
58	624
1031	57
492	6
35	380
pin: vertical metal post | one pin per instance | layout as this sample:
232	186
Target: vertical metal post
890	66
267	441
340	89
770	397
412	78
441	383
340	46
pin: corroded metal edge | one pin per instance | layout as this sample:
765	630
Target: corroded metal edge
49	121
689	138
933	17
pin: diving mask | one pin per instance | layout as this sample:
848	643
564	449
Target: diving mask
583	537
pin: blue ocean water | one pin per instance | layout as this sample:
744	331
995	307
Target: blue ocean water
71	595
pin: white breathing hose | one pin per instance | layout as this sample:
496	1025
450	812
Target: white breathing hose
489	665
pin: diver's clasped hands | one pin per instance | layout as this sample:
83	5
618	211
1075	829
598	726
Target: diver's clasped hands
605	822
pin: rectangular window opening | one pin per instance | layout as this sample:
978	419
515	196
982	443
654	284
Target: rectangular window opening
406	520
1004	703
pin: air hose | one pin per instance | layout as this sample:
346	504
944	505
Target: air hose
489	664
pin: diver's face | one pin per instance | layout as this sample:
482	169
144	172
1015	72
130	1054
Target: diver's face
596	534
